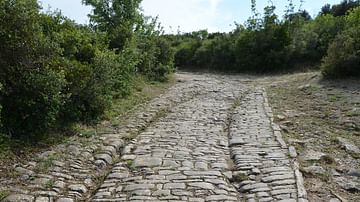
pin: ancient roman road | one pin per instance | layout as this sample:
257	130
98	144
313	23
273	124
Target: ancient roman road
209	138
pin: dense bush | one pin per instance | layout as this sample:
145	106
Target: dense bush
312	39
31	96
343	57
55	72
263	51
259	47
268	44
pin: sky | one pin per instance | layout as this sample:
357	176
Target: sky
190	15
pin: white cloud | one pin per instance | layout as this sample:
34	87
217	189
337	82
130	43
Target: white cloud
189	15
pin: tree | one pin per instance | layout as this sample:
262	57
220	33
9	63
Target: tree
339	9
118	18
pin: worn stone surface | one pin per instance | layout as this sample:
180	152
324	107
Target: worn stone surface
19	198
263	150
349	147
209	138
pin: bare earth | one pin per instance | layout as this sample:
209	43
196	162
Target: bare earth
208	138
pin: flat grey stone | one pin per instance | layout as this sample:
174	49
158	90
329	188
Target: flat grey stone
354	173
202	185
19	198
283	182
277	177
62	175
236	141
25	171
147	162
105	157
41	181
349	147
65	200
176	177
161	193
59	184
175	186
133	187
118	175
315	170
46	193
141	192
201	166
283	191
292	152
312	155
128	157
220	198
249	187
169	163
348	184
42	199
78	188
202	173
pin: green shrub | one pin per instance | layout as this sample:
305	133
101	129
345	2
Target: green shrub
1	88
155	52
31	96
263	51
343	57
55	72
185	53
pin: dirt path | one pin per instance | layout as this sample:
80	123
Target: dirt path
209	138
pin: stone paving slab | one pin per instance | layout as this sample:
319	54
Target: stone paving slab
209	138
261	156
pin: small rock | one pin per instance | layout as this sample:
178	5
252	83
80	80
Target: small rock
89	182
334	200
281	117
24	171
297	141
255	171
41	181
78	188
304	87
73	149
45	155
236	141
348	184
65	200
42	199
315	170
100	163
312	155
335	173
292	152
354	173
105	157
349	147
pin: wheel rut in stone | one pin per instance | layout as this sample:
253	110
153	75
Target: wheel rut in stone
264	171
183	156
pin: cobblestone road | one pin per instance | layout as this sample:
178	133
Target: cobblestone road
210	138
